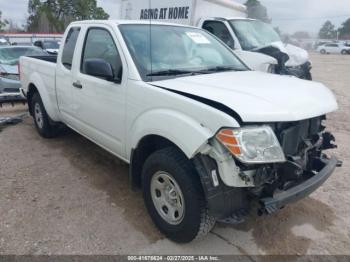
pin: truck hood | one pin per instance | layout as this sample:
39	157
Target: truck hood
257	96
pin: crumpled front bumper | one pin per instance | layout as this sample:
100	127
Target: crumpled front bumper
303	71
279	200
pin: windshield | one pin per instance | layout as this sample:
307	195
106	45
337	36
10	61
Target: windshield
163	51
11	55
51	45
254	34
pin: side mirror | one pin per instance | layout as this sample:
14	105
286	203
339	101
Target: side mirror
99	68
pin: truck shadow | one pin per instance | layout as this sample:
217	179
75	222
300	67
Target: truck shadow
106	172
291	230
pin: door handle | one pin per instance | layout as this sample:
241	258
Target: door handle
77	85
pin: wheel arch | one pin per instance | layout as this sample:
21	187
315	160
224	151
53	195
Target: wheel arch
37	85
31	91
164	127
146	146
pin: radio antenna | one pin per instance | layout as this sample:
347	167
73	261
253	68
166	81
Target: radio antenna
150	38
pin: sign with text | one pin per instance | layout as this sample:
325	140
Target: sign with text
178	11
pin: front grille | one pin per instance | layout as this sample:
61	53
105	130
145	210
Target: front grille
293	135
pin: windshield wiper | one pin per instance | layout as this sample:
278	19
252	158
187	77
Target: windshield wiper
170	72
221	69
174	72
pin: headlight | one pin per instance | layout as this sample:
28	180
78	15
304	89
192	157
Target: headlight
252	145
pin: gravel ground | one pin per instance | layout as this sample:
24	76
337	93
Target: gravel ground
68	196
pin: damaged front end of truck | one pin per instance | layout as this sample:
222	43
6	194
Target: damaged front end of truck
302	70
271	173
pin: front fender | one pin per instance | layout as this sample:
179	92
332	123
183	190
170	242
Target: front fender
187	133
48	97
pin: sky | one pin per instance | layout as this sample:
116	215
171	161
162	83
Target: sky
289	15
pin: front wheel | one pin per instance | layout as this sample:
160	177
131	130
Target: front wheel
323	52
344	52
174	197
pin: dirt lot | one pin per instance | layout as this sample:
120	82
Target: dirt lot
68	196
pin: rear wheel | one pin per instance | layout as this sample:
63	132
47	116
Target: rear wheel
344	52
323	51
43	124
174	197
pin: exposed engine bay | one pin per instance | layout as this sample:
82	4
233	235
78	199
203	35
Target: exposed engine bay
277	184
303	143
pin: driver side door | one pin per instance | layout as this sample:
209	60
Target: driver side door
100	103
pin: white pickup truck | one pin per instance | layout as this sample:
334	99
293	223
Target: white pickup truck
204	136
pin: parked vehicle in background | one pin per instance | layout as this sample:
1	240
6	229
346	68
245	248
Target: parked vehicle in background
9	75
205	137
251	35
255	42
334	48
22	44
50	46
3	42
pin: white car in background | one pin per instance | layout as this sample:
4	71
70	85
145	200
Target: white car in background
334	48
50	46
3	42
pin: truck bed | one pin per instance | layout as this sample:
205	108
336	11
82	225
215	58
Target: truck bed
40	70
47	58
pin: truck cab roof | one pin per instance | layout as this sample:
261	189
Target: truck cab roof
126	22
228	18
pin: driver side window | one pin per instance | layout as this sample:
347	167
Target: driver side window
220	30
99	44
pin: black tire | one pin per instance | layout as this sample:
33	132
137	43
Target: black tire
344	52
323	52
196	221
46	128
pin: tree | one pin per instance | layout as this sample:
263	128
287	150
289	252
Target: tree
327	31
344	30
87	9
34	15
2	23
301	35
59	13
256	10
